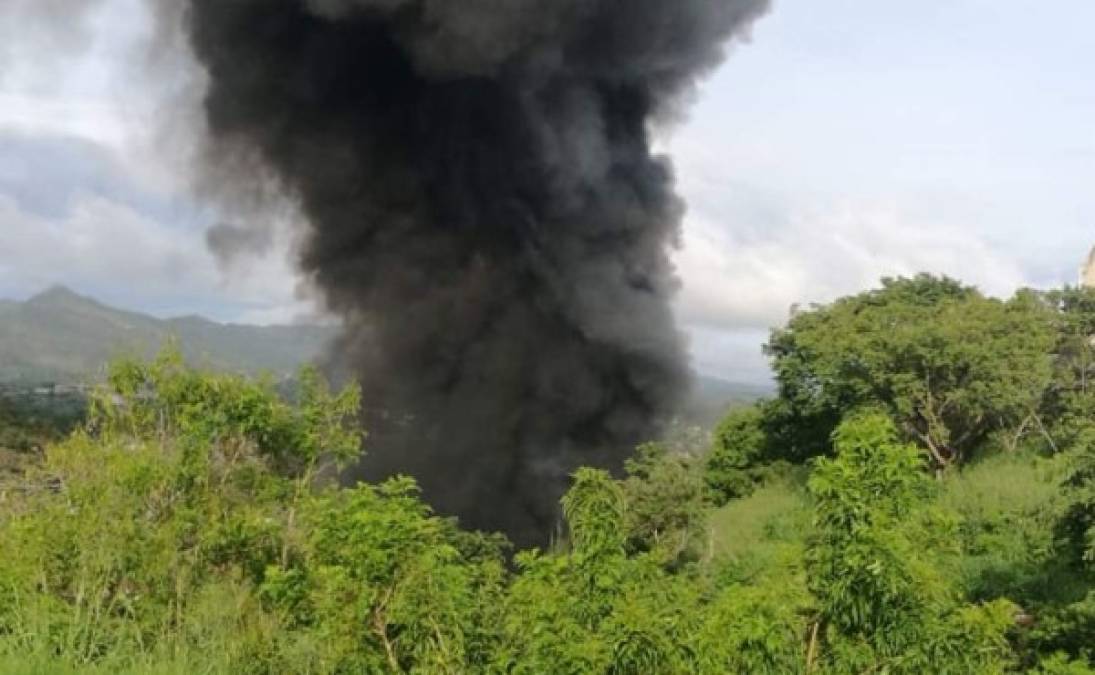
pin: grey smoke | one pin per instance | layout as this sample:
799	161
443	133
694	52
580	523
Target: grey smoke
230	241
484	211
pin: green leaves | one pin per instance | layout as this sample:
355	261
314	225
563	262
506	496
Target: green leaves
594	509
739	446
859	563
881	591
386	582
948	364
1076	527
165	399
666	505
325	420
181	489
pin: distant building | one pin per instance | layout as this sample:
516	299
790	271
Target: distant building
1087	272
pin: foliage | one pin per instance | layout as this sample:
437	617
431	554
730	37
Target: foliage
598	609
861	560
594	509
1060	664
150	536
595	609
196	523
188	530
29	420
116	543
382	584
1076	528
1068	630
738	447
755	629
763	534
882	600
1068	627
1007	506
666	511
1074	318
948	364
165	399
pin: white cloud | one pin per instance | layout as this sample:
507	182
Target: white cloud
35	113
733	281
737	284
111	249
97	241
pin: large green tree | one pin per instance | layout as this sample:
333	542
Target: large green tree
949	364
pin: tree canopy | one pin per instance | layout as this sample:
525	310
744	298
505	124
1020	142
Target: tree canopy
947	363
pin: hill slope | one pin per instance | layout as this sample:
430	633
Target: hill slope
59	335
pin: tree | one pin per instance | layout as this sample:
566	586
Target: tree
1076	527
195	526
863	565
666	505
164	399
740	447
383	585
1074	314
884	599
948	364
1069	404
594	608
600	608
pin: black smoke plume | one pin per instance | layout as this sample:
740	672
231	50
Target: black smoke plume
486	213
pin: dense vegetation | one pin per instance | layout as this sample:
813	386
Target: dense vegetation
29	422
919	497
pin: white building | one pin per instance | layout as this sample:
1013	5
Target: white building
1087	272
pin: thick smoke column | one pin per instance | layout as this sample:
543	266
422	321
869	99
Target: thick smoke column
485	212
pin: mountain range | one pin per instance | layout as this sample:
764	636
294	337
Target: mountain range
61	336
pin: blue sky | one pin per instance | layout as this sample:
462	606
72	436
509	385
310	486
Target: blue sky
846	140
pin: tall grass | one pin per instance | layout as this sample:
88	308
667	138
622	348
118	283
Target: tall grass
765	533
1007	504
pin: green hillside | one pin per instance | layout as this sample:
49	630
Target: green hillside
61	336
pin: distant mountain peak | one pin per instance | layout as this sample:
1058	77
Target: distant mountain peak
59	294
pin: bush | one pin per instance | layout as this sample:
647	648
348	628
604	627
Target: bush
879	589
666	507
188	527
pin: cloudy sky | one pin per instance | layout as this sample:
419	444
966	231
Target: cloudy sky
846	141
